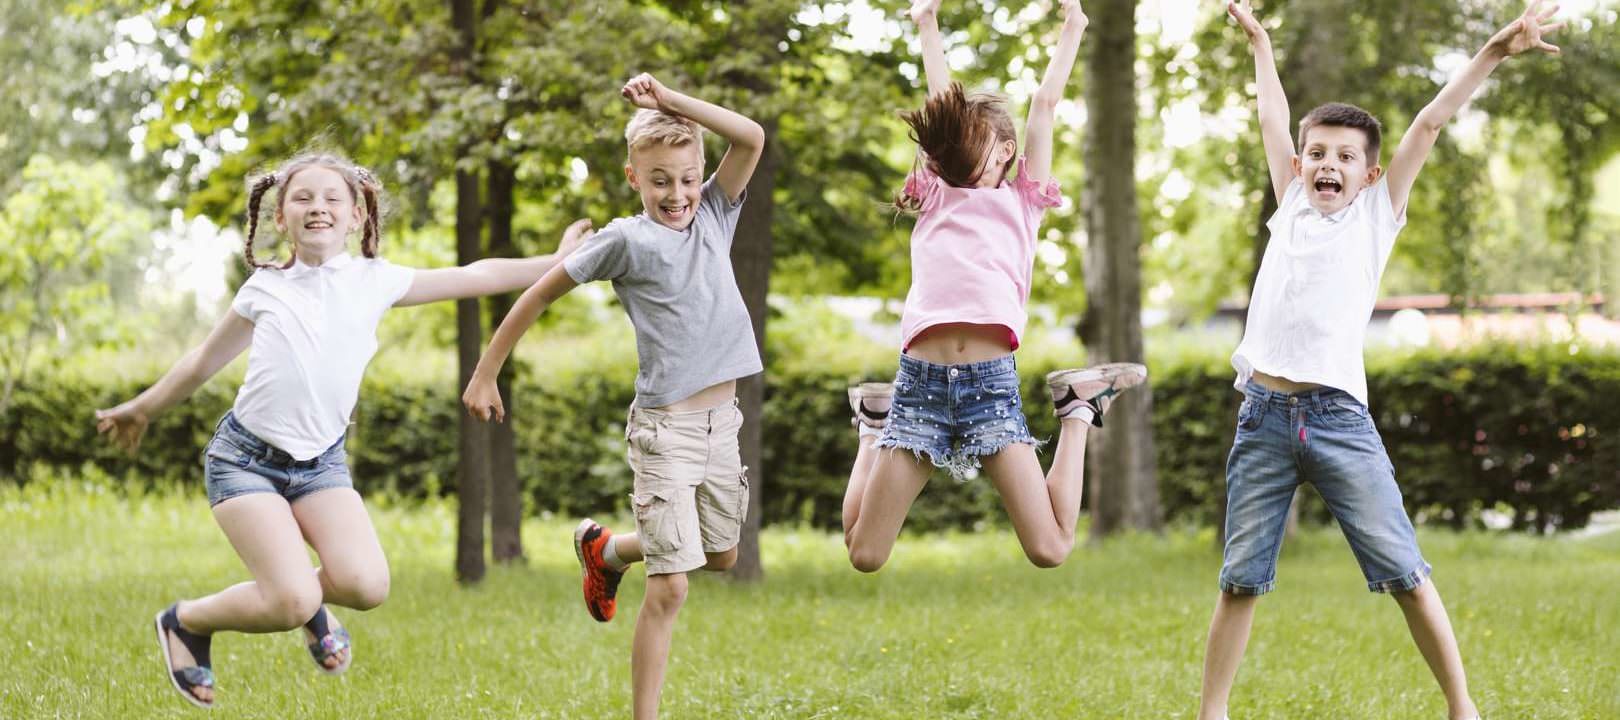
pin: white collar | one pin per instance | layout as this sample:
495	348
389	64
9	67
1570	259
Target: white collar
1332	218
336	262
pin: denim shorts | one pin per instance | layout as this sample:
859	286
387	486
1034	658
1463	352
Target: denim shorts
956	414
236	462
1324	437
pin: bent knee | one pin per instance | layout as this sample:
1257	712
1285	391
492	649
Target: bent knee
1049	553
721	560
361	591
290	608
867	561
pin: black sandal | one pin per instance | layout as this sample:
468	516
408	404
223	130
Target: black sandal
328	642
186	678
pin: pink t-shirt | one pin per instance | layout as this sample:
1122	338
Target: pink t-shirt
973	252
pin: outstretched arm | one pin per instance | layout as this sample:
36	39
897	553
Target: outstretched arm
1043	108
1521	35
935	70
127	422
747	138
481	397
1273	102
490	276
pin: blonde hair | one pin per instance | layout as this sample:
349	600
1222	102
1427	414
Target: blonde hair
656	127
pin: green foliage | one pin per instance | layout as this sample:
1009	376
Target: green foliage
1525	431
62	234
947	630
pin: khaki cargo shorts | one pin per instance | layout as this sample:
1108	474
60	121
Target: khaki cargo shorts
691	489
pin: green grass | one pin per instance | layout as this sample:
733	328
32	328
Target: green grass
958	626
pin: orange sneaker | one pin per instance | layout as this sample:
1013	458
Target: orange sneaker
601	583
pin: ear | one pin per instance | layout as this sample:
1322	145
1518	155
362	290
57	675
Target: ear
1297	168
630	175
1373	173
281	221
359	214
1009	150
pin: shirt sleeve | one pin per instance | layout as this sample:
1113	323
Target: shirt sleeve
1038	196
392	281
249	298
1288	207
714	202
603	257
923	185
1386	224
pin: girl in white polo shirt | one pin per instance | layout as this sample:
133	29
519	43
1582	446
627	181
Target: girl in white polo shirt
276	469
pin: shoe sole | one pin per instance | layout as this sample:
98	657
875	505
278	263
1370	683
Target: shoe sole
1108	371
584	570
168	664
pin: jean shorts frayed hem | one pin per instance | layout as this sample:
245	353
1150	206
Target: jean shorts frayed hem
1232	588
963	463
1405	583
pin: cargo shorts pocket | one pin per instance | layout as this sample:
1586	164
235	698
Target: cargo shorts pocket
656	522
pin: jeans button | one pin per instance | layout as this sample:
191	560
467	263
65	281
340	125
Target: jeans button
954	372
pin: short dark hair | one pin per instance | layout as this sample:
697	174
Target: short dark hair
1344	115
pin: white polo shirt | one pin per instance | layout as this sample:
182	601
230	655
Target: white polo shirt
1315	292
314	332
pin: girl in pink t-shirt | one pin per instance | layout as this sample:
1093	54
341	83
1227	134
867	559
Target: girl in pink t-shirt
955	402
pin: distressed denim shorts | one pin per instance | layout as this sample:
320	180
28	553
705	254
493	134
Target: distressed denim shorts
236	462
956	414
1324	437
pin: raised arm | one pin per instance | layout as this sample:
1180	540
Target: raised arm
935	70
481	397
1273	103
126	423
1043	108
490	276
747	138
1521	35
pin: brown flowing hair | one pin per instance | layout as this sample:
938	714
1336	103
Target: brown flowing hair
364	188
951	131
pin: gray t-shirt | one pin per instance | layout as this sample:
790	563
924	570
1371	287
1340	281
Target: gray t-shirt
677	286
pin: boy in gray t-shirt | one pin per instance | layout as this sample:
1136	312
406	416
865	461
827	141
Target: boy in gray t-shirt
671	268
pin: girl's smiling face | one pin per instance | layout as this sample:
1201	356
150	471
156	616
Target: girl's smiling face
318	211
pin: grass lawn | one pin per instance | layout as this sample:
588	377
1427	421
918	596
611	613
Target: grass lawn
958	626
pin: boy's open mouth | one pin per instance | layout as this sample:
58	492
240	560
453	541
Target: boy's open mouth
1328	187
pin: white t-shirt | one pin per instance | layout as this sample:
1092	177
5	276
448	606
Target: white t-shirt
314	332
1316	289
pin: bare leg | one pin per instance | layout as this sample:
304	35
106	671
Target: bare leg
284	592
865	457
1228	638
896	478
354	571
1431	630
649	652
1044	509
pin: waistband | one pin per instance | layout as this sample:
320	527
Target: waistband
687	415
1316	397
263	451
925	371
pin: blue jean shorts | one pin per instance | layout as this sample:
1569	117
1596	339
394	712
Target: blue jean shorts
956	414
236	462
1324	437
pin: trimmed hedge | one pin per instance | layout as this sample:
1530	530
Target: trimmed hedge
1532	432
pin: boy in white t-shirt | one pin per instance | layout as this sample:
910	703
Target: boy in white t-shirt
1304	416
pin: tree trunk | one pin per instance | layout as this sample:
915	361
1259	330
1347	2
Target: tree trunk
472	463
751	254
506	490
1120	463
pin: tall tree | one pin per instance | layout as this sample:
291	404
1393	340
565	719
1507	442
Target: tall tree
1121	470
